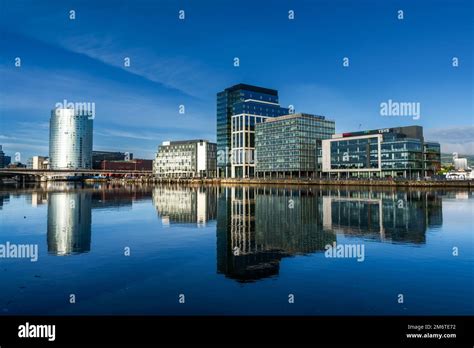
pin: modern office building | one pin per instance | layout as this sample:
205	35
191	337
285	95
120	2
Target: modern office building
99	156
70	139
431	157
389	152
185	159
2	158
290	145
239	109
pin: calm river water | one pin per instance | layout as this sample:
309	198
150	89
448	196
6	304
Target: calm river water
176	250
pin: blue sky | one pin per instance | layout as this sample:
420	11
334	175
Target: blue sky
187	62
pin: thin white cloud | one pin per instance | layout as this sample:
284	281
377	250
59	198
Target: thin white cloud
125	134
453	139
35	125
114	101
11	148
7	137
182	73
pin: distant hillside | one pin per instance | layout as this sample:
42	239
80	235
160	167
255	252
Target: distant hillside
447	158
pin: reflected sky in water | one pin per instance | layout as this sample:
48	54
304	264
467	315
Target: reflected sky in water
236	250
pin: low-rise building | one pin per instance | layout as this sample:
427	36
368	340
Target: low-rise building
290	145
136	164
99	156
186	159
40	162
388	152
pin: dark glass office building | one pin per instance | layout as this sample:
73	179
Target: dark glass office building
394	152
431	157
2	158
239	109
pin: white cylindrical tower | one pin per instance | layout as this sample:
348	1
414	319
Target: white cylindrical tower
70	140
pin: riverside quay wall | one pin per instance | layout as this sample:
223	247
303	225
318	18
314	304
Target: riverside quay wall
285	182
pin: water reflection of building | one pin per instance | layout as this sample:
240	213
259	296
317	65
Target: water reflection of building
395	216
4	198
70	211
118	198
180	204
39	198
69	222
256	228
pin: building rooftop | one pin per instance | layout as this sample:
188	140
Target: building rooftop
291	116
182	142
257	89
415	132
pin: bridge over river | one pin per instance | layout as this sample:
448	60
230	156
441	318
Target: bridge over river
58	174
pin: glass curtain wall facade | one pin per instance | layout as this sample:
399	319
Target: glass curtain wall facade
70	140
239	109
290	146
432	158
358	153
393	152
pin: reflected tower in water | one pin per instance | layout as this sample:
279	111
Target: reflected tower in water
69	222
257	227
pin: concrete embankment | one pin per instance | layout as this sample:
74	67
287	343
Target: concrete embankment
289	182
285	182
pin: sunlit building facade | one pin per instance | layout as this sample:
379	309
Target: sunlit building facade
185	159
290	145
70	139
239	109
389	152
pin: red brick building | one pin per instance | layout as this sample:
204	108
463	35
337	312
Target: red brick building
135	164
